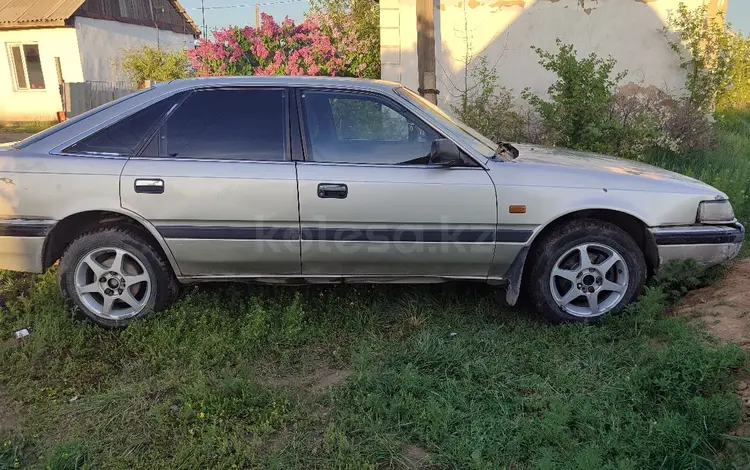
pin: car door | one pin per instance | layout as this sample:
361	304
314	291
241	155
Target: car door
371	205
217	182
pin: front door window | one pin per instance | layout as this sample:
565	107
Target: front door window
360	128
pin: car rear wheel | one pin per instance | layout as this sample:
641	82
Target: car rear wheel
584	270
114	276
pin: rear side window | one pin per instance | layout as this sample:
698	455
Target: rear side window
125	136
75	120
244	124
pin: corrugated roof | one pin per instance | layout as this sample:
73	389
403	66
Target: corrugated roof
19	13
178	7
33	11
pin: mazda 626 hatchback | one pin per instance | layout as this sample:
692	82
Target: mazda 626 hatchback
317	180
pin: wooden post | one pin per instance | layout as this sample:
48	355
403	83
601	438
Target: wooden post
68	105
426	49
60	82
58	68
257	15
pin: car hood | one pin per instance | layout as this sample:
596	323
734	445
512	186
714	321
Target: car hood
592	161
591	169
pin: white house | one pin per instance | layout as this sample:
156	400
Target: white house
428	43
44	43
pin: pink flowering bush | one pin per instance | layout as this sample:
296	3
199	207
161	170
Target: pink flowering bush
275	49
359	47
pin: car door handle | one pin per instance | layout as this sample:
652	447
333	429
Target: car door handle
149	185
332	191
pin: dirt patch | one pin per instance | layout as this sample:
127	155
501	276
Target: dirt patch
10	418
312	383
415	456
724	308
12	136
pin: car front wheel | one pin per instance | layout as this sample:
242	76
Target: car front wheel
584	270
114	276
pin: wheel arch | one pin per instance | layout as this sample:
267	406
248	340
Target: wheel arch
632	225
72	226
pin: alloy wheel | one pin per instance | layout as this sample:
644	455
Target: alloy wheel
589	279
112	283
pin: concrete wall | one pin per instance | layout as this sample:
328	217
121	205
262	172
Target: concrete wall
38	105
102	42
504	30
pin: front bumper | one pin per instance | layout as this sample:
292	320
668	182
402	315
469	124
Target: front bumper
706	244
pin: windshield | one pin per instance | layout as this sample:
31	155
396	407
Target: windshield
479	142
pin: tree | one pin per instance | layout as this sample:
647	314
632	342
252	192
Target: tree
716	59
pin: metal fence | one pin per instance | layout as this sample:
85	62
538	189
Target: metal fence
83	96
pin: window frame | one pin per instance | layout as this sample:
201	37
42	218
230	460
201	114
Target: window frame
287	128
60	150
308	156
14	73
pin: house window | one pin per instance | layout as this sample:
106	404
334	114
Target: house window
26	66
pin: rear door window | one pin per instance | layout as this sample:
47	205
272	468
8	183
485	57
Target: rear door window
125	136
241	124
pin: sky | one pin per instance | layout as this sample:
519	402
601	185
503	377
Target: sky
739	15
220	13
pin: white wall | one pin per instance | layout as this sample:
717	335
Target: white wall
102	42
398	41
38	105
505	30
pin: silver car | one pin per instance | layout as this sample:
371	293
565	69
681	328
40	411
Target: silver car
319	180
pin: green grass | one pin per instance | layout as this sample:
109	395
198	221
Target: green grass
234	376
31	127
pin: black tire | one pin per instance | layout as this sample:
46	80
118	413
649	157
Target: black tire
567	237
164	285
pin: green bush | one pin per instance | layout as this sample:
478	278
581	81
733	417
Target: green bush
158	65
587	109
577	113
488	107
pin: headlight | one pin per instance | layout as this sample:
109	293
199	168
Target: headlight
713	212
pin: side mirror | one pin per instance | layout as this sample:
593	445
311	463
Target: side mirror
444	153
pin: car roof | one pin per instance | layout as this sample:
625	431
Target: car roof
278	80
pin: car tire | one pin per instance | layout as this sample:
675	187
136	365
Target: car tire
113	276
566	288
